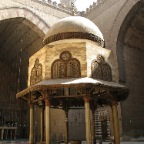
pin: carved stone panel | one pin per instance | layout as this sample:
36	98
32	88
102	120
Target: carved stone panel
73	35
66	66
100	69
36	73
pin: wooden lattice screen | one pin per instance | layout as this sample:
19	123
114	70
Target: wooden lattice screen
66	66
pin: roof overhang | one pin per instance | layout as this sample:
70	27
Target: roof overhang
118	91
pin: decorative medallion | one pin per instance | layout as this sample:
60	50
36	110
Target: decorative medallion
65	55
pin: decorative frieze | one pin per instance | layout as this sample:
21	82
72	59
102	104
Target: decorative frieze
73	35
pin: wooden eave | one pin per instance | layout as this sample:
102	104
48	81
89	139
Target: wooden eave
115	90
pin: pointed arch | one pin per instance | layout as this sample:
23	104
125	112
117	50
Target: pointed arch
36	73
13	12
58	69
100	69
66	66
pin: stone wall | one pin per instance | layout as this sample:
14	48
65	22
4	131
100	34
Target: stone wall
109	16
122	26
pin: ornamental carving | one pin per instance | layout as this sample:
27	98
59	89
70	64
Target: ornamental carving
66	66
36	73
71	35
100	69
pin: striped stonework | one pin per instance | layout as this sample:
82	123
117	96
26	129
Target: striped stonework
102	115
27	14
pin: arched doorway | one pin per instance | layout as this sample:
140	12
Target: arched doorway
19	39
130	55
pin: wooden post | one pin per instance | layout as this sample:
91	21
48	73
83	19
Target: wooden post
42	125
115	123
66	93
67	129
31	134
47	121
87	119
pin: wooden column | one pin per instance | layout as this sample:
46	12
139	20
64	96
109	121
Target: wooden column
47	121
67	129
115	123
42	125
87	120
66	107
31	134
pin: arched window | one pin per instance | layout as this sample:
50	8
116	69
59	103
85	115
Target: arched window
58	69
106	72
73	68
100	69
66	66
36	73
96	70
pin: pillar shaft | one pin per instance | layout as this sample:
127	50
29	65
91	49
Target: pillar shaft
66	93
115	124
31	134
47	121
42	124
67	130
87	120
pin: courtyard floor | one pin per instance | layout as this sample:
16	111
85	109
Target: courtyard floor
26	142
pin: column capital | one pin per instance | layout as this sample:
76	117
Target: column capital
45	93
114	102
86	99
47	102
31	105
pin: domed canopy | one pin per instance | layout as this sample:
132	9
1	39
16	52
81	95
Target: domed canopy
74	27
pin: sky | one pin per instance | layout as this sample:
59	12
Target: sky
81	4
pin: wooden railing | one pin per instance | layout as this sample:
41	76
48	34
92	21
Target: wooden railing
8	132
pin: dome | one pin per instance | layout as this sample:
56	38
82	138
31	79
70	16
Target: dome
74	27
